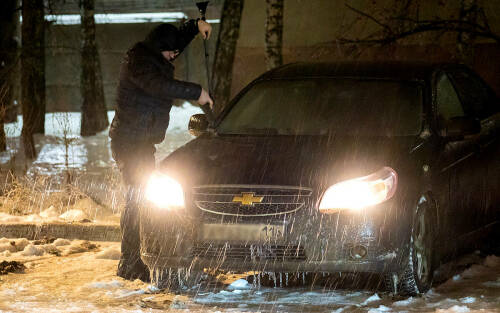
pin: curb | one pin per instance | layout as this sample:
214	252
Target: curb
91	232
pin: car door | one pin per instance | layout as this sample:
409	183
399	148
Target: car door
481	103
460	163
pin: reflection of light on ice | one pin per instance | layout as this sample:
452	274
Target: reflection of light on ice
55	155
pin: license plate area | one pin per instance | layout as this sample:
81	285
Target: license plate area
243	232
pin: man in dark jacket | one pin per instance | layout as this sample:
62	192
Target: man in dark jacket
144	98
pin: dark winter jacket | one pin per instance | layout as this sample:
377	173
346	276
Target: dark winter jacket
147	86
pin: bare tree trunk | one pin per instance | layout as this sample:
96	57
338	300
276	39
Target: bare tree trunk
33	73
274	33
465	40
94	114
8	57
225	52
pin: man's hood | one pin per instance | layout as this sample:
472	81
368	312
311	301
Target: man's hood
165	37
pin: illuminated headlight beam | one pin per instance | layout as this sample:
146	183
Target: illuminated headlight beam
358	193
164	192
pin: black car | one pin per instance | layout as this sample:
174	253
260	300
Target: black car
323	167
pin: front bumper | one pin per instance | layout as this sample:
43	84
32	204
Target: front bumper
199	263
326	243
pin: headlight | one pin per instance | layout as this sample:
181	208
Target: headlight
360	192
164	192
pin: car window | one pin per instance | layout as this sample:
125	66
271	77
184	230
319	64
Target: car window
327	106
478	100
448	103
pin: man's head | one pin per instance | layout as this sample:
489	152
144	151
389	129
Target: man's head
165	38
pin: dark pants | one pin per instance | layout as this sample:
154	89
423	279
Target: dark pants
136	162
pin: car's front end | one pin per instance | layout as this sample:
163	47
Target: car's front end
280	187
356	225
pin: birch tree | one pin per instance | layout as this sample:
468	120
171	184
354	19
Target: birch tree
274	33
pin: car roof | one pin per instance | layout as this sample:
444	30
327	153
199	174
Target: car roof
393	70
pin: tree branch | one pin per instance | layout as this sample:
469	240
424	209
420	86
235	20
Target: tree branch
421	26
368	16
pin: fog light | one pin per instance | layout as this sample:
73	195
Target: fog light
358	252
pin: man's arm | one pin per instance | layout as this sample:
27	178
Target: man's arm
190	29
145	74
187	32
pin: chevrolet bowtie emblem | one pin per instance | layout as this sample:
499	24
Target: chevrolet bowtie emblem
248	198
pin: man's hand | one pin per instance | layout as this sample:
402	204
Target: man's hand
205	29
205	98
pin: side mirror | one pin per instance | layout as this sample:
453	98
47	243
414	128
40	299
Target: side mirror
198	125
459	127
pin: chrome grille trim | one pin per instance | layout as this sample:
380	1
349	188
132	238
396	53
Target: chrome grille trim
278	200
200	206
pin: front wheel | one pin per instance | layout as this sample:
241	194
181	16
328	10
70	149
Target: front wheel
417	275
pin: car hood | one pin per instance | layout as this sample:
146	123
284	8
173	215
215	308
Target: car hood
306	161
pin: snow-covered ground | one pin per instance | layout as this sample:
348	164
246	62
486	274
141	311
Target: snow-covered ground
84	154
88	161
82	279
77	276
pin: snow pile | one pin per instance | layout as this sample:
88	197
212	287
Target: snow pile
32	250
454	309
73	215
51	249
58	247
7	218
468	300
240	284
373	298
49	213
405	302
61	242
79	246
13	245
381	308
110	253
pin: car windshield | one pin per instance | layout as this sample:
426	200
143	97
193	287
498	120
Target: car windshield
327	107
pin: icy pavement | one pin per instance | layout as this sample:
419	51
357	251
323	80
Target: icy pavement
82	279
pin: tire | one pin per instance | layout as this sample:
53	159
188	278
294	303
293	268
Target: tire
417	274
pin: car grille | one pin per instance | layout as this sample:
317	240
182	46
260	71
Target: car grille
275	200
249	252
